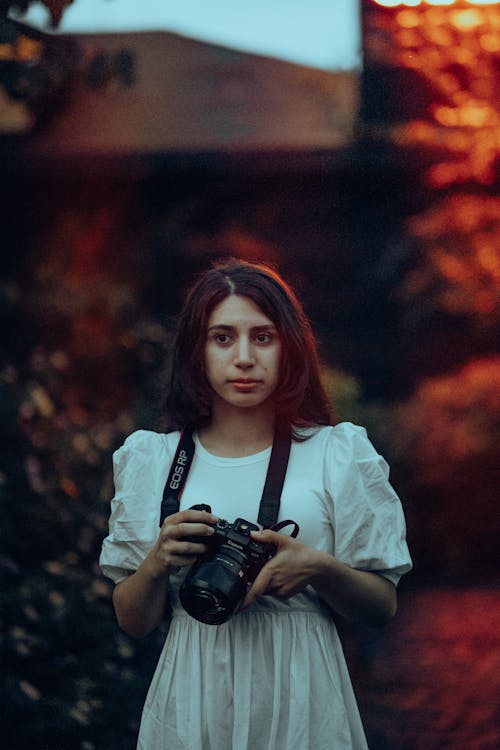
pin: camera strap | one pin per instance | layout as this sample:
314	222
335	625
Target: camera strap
271	494
275	479
179	470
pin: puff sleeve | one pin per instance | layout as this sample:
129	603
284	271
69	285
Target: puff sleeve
140	468
368	519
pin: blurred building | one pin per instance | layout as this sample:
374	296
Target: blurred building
155	92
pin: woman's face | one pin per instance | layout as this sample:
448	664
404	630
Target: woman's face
242	354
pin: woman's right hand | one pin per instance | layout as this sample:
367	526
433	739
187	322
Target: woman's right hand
172	550
140	599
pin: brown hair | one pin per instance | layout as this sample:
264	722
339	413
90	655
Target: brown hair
300	397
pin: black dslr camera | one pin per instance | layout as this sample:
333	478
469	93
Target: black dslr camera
216	584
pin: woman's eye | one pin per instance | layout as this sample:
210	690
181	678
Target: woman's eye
263	338
222	338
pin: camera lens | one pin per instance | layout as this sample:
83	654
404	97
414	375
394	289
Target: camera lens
213	589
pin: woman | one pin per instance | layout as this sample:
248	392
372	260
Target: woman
274	676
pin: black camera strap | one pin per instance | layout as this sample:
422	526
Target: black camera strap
179	470
275	479
271	494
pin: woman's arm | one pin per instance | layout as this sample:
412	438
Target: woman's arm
358	595
140	599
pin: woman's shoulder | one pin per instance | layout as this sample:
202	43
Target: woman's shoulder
341	434
145	445
344	445
149	438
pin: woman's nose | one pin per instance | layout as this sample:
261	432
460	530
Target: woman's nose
243	353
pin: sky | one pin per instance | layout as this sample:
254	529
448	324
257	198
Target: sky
320	33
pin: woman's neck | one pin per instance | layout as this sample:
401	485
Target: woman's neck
236	433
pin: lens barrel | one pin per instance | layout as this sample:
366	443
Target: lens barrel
214	588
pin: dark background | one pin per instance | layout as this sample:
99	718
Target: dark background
391	241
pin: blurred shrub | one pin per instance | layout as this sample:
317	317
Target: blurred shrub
345	394
452	421
67	669
444	440
457	271
442	447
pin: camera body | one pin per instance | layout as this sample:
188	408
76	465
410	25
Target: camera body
217	583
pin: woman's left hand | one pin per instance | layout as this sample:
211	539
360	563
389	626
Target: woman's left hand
292	568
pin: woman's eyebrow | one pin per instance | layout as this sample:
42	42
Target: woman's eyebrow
265	327
226	327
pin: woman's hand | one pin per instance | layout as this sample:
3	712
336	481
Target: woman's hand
293	567
140	599
172	550
358	595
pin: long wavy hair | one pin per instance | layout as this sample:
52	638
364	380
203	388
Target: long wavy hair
300	399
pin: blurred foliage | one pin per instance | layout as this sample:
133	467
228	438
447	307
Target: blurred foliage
452	421
345	393
442	447
55	8
431	76
38	71
458	268
440	64
66	666
443	442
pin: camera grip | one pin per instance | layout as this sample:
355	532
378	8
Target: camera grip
201	506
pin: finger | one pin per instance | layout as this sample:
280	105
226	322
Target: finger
266	536
194	530
259	586
179	530
180	554
181	561
189	515
188	548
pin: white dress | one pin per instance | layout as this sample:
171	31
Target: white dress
273	677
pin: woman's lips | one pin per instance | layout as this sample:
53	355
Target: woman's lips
244	385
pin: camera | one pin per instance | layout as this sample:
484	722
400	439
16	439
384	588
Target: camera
217	583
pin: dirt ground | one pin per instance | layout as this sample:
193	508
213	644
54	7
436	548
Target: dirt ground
430	680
